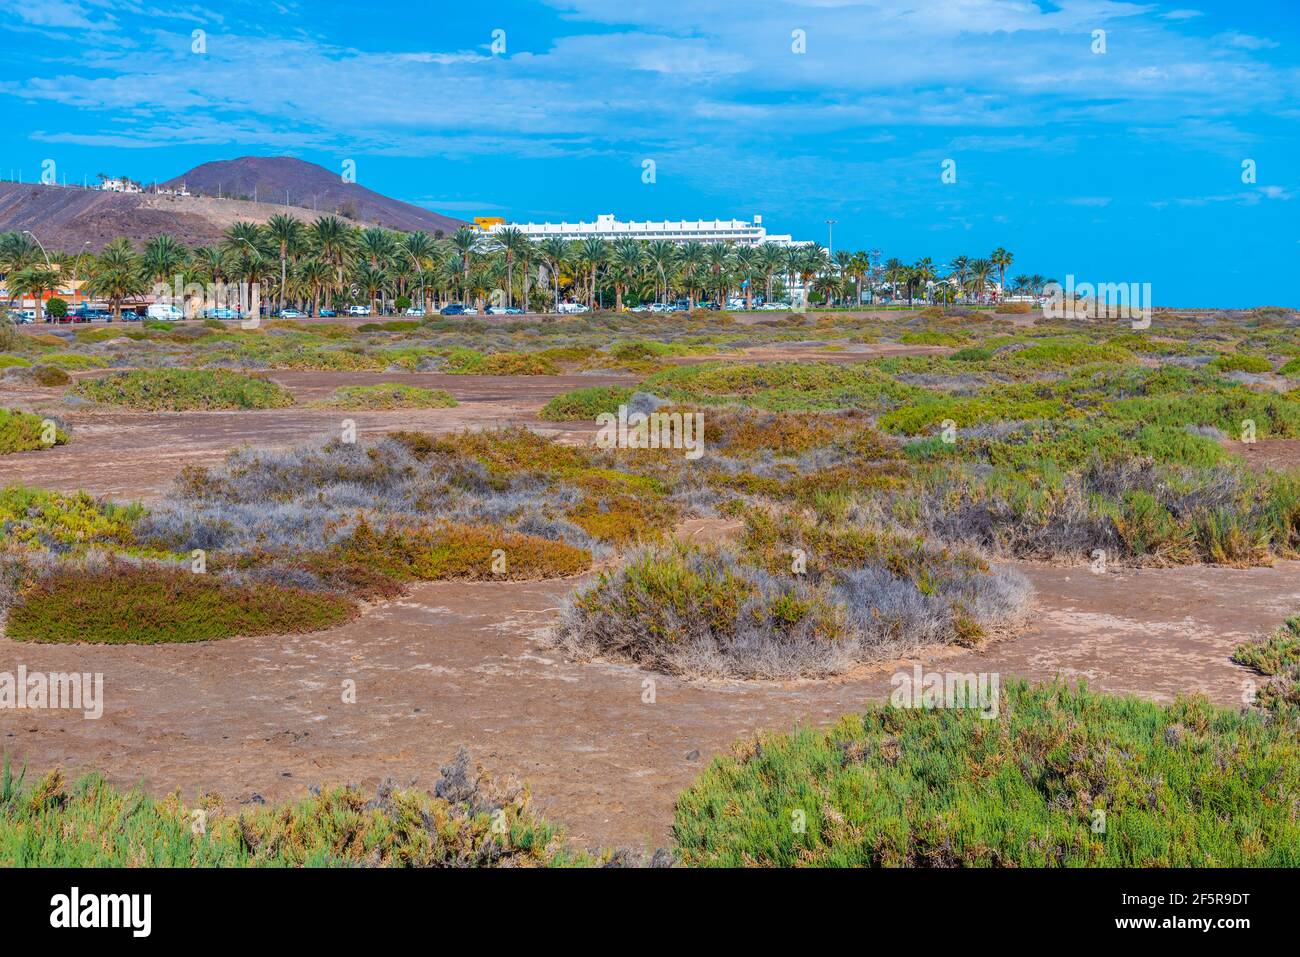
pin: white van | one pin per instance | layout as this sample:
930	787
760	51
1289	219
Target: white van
166	311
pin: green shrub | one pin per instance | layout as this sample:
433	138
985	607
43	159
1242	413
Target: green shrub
1014	308
932	337
467	552
389	395
585	404
395	325
1181	785
49	376
8	361
182	389
130	604
1278	657
73	360
1239	362
92	824
22	432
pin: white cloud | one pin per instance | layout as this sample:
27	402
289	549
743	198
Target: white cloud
1245	41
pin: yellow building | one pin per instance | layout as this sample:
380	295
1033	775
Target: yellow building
485	223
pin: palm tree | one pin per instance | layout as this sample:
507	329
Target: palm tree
980	270
659	256
923	274
377	246
812	261
315	277
895	272
465	242
748	268
859	266
115	275
256	269
693	261
17	252
624	264
1021	283
163	258
242	238
843	264
332	240
210	261
373	278
771	258
34	280
592	253
719	257
1001	258
555	253
515	244
287	233
420	250
960	266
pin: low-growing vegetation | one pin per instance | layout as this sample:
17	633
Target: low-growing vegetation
389	395
178	390
1182	785
121	603
1277	657
470	819
23	432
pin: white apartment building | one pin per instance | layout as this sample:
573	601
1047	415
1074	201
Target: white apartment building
112	184
739	231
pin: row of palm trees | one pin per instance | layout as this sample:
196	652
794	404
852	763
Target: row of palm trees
330	262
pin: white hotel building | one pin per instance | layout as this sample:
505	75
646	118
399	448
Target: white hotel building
739	231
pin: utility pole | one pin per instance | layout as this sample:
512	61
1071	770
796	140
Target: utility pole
830	236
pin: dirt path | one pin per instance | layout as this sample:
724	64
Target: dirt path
135	455
468	663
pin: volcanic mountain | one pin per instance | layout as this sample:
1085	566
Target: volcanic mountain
66	217
285	181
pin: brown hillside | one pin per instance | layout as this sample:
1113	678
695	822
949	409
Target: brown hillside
280	179
65	217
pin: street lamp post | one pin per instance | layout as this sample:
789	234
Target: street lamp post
48	265
76	264
42	245
830	236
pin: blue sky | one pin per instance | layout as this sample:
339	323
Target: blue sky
1117	166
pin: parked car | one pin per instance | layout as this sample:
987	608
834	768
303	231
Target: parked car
221	312
415	312
514	311
328	314
358	310
568	308
291	314
24	316
92	315
454	309
165	311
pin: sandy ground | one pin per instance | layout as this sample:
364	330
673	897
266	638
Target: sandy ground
137	454
455	663
464	663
